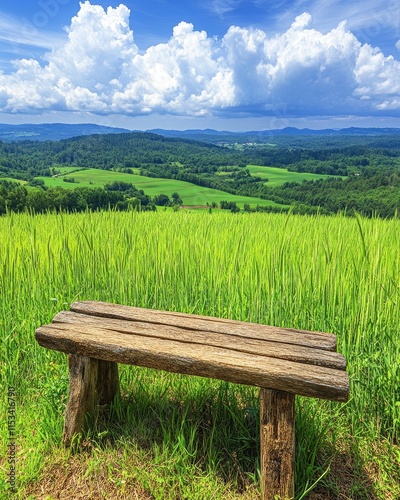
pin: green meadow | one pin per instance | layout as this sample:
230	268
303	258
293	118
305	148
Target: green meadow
67	170
278	176
11	179
176	437
191	194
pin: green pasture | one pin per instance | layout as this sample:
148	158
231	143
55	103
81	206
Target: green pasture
173	437
278	176
12	180
88	177
191	194
66	170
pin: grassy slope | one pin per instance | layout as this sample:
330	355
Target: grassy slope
191	194
12	180
175	437
278	176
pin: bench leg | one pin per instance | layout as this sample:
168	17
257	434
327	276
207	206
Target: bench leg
91	381
277	438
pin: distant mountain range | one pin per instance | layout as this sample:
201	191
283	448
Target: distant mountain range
53	131
264	135
57	131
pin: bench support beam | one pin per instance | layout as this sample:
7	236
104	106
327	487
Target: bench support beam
277	441
91	382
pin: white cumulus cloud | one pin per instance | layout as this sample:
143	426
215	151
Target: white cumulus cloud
177	77
300	71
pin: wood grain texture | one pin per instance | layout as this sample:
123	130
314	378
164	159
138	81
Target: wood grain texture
82	394
91	381
265	347
277	444
193	359
317	340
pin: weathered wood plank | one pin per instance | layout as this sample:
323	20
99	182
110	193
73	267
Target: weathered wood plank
206	361
318	340
237	343
277	444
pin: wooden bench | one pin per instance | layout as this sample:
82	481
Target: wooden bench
282	362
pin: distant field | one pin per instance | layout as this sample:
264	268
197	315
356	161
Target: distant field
67	170
190	193
87	177
278	176
12	180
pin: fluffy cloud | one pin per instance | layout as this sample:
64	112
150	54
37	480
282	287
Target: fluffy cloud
302	71
181	76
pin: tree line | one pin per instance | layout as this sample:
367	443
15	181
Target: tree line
373	192
121	196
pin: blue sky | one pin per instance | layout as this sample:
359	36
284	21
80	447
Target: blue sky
225	64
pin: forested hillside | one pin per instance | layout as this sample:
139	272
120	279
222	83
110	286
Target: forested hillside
109	151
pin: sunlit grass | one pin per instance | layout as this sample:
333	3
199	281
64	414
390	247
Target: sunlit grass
191	194
320	273
278	176
11	179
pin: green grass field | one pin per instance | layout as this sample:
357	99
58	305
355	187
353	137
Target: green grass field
191	194
176	437
12	180
278	176
67	170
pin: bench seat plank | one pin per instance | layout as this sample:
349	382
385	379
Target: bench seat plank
273	349
194	359
319	340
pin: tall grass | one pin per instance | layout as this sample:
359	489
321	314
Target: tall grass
319	273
